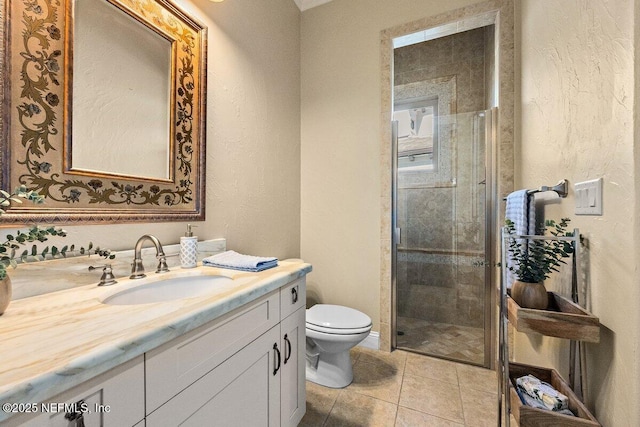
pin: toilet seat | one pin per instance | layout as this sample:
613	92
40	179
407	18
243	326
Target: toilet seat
337	320
333	331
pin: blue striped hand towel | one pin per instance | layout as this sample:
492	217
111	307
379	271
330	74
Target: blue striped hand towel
236	261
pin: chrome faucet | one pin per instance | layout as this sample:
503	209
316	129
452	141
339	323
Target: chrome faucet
137	269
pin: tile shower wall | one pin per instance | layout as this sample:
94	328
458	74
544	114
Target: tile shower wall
439	277
440	288
461	55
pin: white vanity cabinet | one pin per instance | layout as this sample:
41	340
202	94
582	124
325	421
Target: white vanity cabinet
239	370
245	368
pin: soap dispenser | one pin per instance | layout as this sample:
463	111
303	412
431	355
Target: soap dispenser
188	249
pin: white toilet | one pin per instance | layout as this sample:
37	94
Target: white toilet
333	330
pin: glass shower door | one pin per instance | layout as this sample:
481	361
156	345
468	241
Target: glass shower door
441	189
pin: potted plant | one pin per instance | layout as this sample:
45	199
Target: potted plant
533	261
9	248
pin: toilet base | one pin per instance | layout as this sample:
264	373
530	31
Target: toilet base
332	370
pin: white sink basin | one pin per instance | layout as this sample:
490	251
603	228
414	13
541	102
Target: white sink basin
170	289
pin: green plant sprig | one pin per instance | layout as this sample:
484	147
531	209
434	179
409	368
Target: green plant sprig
9	248
535	260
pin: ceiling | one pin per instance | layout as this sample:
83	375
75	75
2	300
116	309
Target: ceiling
308	4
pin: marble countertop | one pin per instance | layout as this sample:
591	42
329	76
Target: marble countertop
55	341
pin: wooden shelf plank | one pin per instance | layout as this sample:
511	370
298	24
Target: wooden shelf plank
527	416
563	319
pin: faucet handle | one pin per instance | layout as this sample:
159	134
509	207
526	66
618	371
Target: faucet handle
162	262
107	277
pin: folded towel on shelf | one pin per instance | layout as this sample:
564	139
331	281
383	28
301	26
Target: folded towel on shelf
521	210
236	261
540	394
535	403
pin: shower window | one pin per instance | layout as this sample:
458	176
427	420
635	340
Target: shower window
417	134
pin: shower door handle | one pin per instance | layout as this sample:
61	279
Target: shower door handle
397	234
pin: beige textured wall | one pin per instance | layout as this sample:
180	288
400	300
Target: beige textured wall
578	95
253	134
340	215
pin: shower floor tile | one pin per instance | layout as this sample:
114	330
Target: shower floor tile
456	342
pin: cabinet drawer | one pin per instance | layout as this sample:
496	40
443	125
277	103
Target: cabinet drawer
293	296
174	366
113	399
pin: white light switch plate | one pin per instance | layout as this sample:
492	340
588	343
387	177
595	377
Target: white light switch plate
589	197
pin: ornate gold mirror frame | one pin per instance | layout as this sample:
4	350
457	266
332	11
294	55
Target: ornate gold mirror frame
36	74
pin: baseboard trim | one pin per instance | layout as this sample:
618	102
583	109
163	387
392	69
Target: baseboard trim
372	341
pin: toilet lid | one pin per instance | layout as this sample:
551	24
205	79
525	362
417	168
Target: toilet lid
337	317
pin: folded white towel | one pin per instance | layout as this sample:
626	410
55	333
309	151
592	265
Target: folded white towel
236	261
521	211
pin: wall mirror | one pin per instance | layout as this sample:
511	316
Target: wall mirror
103	110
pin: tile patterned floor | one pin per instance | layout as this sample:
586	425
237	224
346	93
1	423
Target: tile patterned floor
442	339
405	389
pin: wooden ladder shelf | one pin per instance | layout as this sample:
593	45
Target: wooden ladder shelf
563	319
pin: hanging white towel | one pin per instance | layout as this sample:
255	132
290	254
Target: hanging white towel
521	211
236	261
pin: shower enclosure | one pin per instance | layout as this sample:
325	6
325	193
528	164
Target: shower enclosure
443	137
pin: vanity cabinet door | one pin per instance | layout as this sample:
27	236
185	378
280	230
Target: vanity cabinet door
112	399
242	391
293	405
